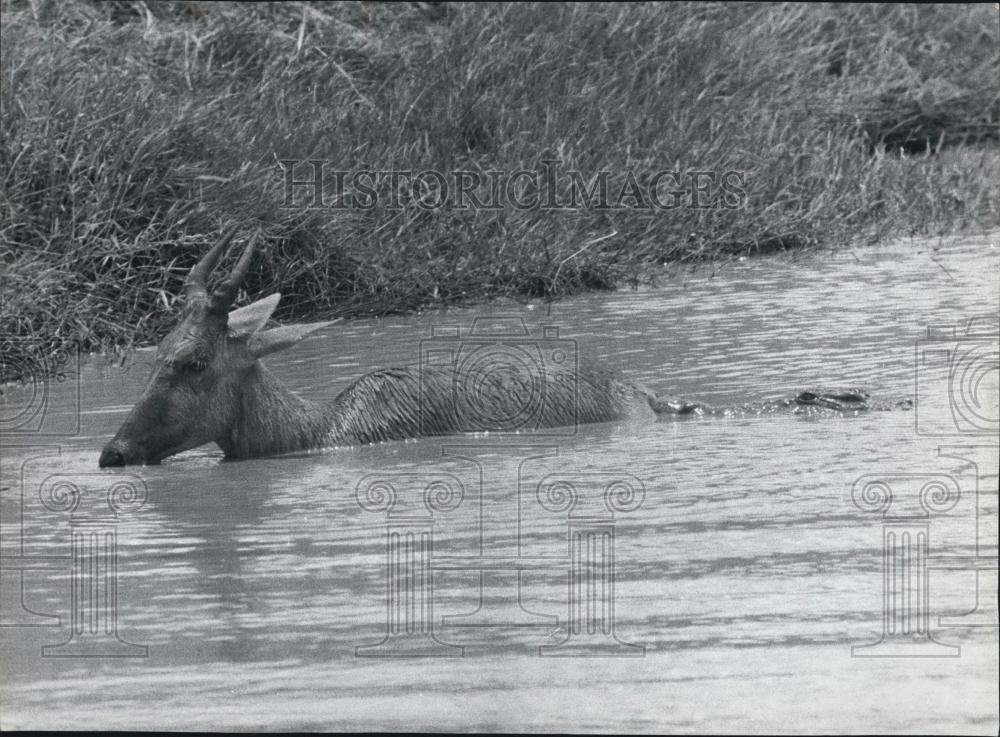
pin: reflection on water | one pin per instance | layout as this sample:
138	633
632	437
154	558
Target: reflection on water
698	576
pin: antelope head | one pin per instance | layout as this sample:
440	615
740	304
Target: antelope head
195	393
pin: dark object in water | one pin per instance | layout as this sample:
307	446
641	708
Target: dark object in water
817	402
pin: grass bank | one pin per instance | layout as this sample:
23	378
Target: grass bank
133	132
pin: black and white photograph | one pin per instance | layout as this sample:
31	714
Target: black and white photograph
521	367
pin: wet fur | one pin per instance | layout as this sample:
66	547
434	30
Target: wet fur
411	402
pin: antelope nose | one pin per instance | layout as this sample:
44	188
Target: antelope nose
111	457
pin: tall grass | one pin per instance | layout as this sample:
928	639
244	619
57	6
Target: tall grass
132	132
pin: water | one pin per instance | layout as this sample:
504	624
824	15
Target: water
740	570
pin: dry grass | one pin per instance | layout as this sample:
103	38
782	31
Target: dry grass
132	132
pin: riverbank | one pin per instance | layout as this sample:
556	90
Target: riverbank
133	132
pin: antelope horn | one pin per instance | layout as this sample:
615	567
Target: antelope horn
195	286
225	293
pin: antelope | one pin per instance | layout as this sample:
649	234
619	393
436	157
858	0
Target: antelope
208	385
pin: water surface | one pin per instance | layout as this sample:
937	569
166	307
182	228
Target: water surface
729	578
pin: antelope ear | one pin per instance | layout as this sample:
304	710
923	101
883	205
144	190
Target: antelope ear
250	319
277	339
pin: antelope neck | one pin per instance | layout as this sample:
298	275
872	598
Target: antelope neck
270	419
